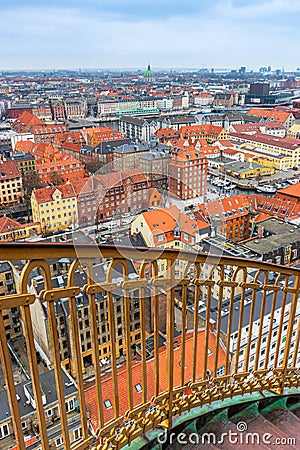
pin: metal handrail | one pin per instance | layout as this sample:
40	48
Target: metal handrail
272	288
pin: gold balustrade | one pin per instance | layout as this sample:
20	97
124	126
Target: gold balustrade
232	295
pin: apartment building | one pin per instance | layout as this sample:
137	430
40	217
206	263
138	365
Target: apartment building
55	208
266	328
126	156
60	171
229	216
169	228
108	196
95	136
271	145
211	133
25	163
29	123
271	128
11	317
11	185
75	108
63	320
137	128
29	421
275	115
275	241
155	165
188	173
58	110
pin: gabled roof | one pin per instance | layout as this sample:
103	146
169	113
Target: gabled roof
44	195
8	224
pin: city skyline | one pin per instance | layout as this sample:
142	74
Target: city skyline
224	33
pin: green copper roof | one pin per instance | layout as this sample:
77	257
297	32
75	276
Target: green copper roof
149	72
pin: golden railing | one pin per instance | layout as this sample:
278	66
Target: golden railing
217	287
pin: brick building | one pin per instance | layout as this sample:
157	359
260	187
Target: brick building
188	173
108	196
230	216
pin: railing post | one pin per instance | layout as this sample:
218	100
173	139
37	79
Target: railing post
170	337
11	390
295	300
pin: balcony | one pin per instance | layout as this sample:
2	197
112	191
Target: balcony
228	328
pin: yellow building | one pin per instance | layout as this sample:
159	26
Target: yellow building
270	145
245	170
211	133
265	157
294	131
55	207
11	230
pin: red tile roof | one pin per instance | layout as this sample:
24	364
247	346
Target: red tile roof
225	205
8	224
286	143
9	170
195	130
107	387
24	146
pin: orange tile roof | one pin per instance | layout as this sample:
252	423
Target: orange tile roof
293	190
186	153
25	120
163	220
59	164
278	116
44	195
275	206
107	387
24	146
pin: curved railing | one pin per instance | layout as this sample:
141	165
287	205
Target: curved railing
231	327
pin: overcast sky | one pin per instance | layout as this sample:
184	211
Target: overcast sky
168	33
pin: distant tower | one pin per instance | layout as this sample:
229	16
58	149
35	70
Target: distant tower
149	74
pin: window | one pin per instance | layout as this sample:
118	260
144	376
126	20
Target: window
69	405
138	388
220	371
24	425
107	404
77	433
59	441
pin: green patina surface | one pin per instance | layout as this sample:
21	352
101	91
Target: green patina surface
188	421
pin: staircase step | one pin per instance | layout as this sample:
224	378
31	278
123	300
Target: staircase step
285	420
262	426
296	411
